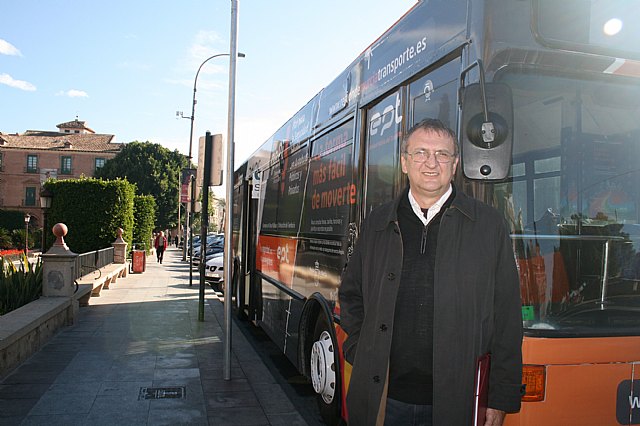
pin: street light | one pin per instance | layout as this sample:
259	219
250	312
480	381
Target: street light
193	104
27	218
189	217
46	197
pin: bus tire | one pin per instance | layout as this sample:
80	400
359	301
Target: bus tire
325	372
239	294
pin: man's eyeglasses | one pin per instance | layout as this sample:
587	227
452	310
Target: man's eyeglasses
421	156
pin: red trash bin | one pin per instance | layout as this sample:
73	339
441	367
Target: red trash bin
139	260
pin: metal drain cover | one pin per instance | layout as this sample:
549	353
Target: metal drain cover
178	392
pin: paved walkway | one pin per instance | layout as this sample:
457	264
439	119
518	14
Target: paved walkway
142	334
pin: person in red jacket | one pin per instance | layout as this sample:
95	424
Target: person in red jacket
160	244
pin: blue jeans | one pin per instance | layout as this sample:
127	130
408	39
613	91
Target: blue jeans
400	413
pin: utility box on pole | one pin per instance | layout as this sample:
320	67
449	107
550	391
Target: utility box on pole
216	161
215	168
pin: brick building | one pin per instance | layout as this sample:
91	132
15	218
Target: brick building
28	159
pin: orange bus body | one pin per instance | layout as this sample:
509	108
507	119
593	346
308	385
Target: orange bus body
582	379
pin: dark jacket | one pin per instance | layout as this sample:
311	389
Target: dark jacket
476	310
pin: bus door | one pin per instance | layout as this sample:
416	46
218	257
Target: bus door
434	95
382	145
246	293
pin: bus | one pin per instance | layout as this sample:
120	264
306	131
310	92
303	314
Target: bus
545	98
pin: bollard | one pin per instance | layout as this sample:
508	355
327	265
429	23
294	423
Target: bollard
119	248
58	270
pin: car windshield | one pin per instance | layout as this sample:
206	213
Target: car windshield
573	203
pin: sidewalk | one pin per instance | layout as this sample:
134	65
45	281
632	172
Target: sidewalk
140	335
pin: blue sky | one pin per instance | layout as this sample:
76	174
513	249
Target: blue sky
126	67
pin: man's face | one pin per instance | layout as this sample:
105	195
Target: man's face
430	179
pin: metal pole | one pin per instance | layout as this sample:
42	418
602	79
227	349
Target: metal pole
44	230
26	235
186	227
179	208
228	261
192	179
204	222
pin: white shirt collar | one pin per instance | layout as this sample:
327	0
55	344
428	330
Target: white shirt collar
433	210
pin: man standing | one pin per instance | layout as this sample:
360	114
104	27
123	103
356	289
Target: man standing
160	244
431	286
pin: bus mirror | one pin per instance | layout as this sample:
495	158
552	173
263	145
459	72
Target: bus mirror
486	136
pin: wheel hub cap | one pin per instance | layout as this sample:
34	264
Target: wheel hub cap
323	371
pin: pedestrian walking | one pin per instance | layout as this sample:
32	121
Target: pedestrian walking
160	245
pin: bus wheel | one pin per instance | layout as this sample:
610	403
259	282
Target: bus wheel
325	372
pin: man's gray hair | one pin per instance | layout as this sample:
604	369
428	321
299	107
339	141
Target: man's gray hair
433	125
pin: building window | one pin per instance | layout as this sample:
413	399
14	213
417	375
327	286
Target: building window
100	163
65	165
32	164
30	196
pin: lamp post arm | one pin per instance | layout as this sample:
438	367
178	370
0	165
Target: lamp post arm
193	104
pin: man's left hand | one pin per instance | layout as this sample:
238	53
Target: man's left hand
494	417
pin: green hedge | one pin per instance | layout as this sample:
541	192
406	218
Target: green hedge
93	210
144	213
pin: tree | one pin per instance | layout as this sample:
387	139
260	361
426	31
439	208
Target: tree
155	171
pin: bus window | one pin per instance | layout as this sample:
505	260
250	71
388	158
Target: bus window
284	193
383	140
593	26
330	196
435	95
572	202
330	190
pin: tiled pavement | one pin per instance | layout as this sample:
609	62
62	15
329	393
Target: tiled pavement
144	333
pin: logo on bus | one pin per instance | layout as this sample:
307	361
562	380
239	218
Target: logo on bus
384	121
628	404
283	254
428	90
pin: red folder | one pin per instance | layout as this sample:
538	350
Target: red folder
481	390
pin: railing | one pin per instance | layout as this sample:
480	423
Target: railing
29	169
93	261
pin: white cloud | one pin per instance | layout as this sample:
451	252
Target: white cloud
7	48
206	44
18	84
73	93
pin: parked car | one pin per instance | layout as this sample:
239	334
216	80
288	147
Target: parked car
211	251
212	239
214	271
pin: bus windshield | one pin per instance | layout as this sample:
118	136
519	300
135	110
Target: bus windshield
573	203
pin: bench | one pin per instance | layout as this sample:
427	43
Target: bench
91	284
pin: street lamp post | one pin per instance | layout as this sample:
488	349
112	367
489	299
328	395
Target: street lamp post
27	218
46	197
189	217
